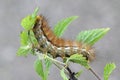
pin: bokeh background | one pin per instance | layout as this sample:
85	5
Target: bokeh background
93	14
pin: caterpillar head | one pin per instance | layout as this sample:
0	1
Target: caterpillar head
41	21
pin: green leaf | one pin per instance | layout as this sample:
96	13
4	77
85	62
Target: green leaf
78	58
63	75
33	39
26	46
24	38
27	37
91	36
38	65
23	50
27	40
35	13
48	64
78	74
28	22
108	70
43	72
61	26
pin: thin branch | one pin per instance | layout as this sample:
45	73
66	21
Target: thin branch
71	74
95	73
45	56
61	63
61	67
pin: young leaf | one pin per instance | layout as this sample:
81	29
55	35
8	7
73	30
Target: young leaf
91	36
48	63
29	21
78	74
63	75
24	38
23	50
35	13
61	26
78	58
27	40
108	70
38	65
32	37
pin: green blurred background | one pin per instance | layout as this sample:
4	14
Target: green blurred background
93	14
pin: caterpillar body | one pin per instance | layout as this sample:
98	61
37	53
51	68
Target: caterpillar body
58	47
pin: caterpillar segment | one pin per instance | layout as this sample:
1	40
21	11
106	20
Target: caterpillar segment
58	47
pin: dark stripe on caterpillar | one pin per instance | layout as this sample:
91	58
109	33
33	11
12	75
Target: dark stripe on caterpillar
50	43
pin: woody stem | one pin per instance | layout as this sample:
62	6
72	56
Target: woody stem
96	75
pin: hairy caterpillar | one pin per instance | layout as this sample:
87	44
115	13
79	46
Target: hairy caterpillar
58	47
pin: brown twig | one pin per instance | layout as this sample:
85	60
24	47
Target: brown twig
71	74
94	73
